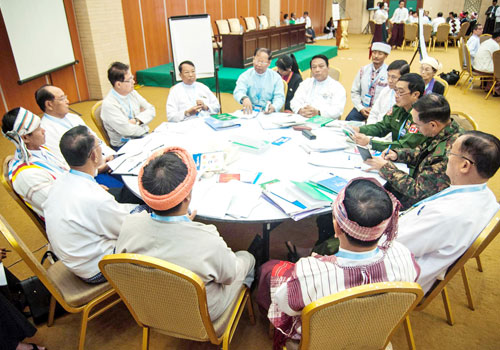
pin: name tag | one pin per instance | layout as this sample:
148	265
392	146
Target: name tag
366	100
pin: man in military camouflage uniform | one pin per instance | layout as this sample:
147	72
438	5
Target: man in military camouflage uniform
427	162
409	88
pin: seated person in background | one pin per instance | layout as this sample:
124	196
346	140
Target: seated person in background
289	71
82	219
369	81
57	119
363	212
439	229
483	61
34	167
425	18
285	19
473	43
125	114
387	97
449	18
399	123
309	29
329	27
428	68
427	162
454	25
321	94
190	98
437	21
260	87
293	20
168	233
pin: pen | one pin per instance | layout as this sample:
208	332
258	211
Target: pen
135	166
257	178
388	150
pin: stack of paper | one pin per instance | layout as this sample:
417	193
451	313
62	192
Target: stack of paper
337	159
324	145
333	184
318	121
218	124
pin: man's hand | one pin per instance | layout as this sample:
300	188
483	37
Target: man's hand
106	188
365	112
193	110
132	121
376	163
270	110
355	128
202	105
388	154
361	139
308	111
104	168
247	106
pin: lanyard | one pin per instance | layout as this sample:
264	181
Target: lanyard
181	218
429	87
120	100
376	78
51	162
356	256
289	77
61	121
82	174
444	193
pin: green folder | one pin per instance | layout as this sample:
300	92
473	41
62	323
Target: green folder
311	191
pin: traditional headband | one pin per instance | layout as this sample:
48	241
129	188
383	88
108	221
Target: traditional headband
378	46
26	122
432	62
388	227
170	200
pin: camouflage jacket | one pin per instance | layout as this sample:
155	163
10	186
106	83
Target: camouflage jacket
428	163
398	122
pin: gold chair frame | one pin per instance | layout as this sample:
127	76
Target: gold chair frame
466	117
444	83
473	74
410	33
195	281
442	36
496	72
56	291
95	113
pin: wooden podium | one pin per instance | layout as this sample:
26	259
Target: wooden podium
238	49
342	40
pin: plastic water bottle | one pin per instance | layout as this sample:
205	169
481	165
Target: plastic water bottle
241	29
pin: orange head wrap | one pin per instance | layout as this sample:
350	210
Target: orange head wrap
170	200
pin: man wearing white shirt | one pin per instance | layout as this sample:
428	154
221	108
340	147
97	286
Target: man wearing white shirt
398	20
82	219
190	98
319	95
439	229
483	61
309	28
125	114
473	43
437	21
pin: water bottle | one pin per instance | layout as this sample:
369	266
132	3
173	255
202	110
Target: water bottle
241	29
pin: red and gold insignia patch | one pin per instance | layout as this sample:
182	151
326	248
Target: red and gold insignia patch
413	129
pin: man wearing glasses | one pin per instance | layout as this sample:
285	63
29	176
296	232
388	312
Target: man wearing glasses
427	162
260	88
125	114
440	228
409	88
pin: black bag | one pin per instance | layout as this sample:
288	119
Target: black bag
451	78
37	298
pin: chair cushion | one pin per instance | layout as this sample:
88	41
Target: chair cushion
74	291
292	344
220	324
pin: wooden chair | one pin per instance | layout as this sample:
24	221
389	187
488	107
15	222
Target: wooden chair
440	286
496	72
485	238
263	22
170	299
7	184
441	36
444	83
71	292
484	37
363	317
223	27
234	25
461	33
428	34
95	113
461	61
464	120
473	74
410	33
250	23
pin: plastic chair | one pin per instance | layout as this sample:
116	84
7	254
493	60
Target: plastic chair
484	37
223	27
263	22
7	184
428	34
71	292
496	72
464	120
410	33
485	238
440	286
250	23
444	83
363	317
473	74
234	25
441	36
170	299
95	113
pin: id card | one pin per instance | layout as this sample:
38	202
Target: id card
366	100
281	140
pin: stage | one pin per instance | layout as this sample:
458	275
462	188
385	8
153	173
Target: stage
160	75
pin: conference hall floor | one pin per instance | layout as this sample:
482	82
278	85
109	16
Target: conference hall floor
117	330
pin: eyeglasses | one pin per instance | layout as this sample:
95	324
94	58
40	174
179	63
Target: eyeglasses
402	93
61	98
130	81
459	155
98	143
261	63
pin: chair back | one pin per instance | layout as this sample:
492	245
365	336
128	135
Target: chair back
444	83
263	21
464	120
250	23
461	54
371	24
334	72
467	59
333	322
427	32
176	302
496	65
234	25
95	113
491	231
484	37
7	184
463	30
442	33
223	26
411	31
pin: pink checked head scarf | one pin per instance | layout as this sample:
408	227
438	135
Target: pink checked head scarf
388	227
170	200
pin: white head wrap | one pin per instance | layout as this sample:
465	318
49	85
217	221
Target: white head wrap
378	46
26	122
432	62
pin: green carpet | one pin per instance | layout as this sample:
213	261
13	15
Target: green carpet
160	75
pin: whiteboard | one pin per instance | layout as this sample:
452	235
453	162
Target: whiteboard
191	38
39	36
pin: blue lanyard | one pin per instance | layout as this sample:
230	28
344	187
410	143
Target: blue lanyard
181	218
50	163
401	128
82	174
356	256
120	100
61	121
444	193
376	78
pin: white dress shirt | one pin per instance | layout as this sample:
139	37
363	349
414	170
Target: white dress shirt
437	21
473	44
483	61
400	15
380	16
181	97
382	105
362	81
328	96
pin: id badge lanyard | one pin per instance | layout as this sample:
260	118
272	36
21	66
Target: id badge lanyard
120	100
367	98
